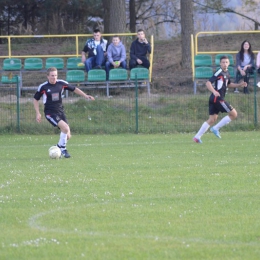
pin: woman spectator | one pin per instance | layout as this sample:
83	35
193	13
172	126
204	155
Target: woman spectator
245	61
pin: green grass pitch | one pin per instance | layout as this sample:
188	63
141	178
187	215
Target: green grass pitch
131	197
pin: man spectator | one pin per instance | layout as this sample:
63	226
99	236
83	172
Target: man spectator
116	55
96	48
138	51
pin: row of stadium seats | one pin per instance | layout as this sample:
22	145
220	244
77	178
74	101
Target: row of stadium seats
74	67
75	73
100	75
204	67
206	59
38	64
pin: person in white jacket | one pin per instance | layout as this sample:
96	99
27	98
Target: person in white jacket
258	62
116	55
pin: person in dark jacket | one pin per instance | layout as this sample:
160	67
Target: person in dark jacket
139	50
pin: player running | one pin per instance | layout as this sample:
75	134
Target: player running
221	80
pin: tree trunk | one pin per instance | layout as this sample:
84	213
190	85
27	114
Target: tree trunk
106	17
132	14
117	13
187	28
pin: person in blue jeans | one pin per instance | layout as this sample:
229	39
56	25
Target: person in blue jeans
96	49
116	55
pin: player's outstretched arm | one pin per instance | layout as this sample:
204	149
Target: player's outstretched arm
37	110
81	93
237	85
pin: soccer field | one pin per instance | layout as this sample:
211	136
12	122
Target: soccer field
131	197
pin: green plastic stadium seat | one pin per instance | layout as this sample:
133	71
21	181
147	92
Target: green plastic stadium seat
203	72
97	75
12	64
58	63
140	73
118	74
203	60
74	63
232	71
10	79
218	56
33	64
75	76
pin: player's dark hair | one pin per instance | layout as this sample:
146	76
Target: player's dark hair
96	30
224	57
140	30
241	52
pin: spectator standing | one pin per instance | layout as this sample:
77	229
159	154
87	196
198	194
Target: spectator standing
245	64
139	50
116	55
96	49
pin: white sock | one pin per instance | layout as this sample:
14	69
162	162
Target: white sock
203	129
224	121
63	140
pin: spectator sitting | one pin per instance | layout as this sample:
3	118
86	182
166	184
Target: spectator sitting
138	51
96	48
245	63
116	55
258	62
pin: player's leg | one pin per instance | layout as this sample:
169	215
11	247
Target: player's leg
204	128
232	114
64	136
61	122
213	115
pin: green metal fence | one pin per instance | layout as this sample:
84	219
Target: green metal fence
127	110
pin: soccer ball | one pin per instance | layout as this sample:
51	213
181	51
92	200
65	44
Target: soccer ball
54	152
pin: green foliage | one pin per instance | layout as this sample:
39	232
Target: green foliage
130	197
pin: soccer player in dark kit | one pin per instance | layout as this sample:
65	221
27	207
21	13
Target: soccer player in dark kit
221	80
51	91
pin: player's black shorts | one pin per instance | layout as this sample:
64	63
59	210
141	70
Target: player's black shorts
54	119
217	105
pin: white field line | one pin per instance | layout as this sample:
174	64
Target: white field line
33	223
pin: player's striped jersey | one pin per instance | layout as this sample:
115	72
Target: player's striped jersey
52	95
220	80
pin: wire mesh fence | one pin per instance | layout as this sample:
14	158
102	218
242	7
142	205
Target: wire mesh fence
124	111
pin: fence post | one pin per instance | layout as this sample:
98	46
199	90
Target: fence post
18	102
136	105
255	100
